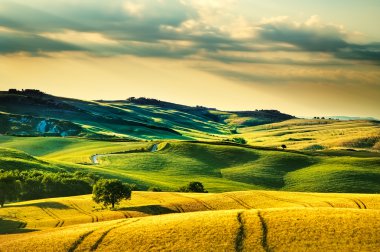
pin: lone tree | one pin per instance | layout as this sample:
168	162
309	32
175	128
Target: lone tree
193	187
110	192
283	146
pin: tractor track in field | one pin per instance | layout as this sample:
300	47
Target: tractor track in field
53	216
105	233
239	201
201	202
94	217
359	203
78	242
264	236
82	237
22	225
207	206
286	200
329	203
127	215
241	233
179	208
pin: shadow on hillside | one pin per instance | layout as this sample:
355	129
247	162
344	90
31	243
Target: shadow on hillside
150	209
52	204
13	227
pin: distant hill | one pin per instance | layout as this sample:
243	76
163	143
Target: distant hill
347	118
34	113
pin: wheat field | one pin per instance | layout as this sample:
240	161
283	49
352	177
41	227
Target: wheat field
167	221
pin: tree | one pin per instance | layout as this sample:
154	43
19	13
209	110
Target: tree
239	140
193	187
110	192
283	146
9	188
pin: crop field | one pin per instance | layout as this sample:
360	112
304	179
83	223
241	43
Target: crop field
315	135
249	221
65	211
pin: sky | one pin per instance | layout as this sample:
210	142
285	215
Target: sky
302	57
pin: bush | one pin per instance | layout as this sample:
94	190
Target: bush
154	189
239	140
193	187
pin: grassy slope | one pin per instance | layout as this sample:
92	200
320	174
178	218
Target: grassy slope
228	168
219	167
315	134
120	119
66	211
249	221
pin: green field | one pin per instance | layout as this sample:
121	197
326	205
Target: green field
143	119
220	166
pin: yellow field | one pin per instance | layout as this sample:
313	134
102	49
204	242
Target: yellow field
302	134
233	221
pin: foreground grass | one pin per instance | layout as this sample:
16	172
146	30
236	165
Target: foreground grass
235	221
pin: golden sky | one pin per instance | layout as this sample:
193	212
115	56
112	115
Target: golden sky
295	56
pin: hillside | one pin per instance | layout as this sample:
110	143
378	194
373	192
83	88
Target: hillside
316	135
249	221
35	113
219	166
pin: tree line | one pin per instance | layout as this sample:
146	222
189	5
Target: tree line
35	184
18	185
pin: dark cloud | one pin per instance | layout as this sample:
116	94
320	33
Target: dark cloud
142	34
252	77
369	52
35	45
325	39
278	61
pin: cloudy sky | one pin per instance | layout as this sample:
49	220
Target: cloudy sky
303	57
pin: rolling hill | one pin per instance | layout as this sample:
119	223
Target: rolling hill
220	166
316	135
249	221
152	143
34	113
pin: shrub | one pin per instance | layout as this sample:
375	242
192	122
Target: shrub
193	187
154	189
239	140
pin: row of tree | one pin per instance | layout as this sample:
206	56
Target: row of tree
33	184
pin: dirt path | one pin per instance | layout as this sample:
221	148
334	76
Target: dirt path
95	158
